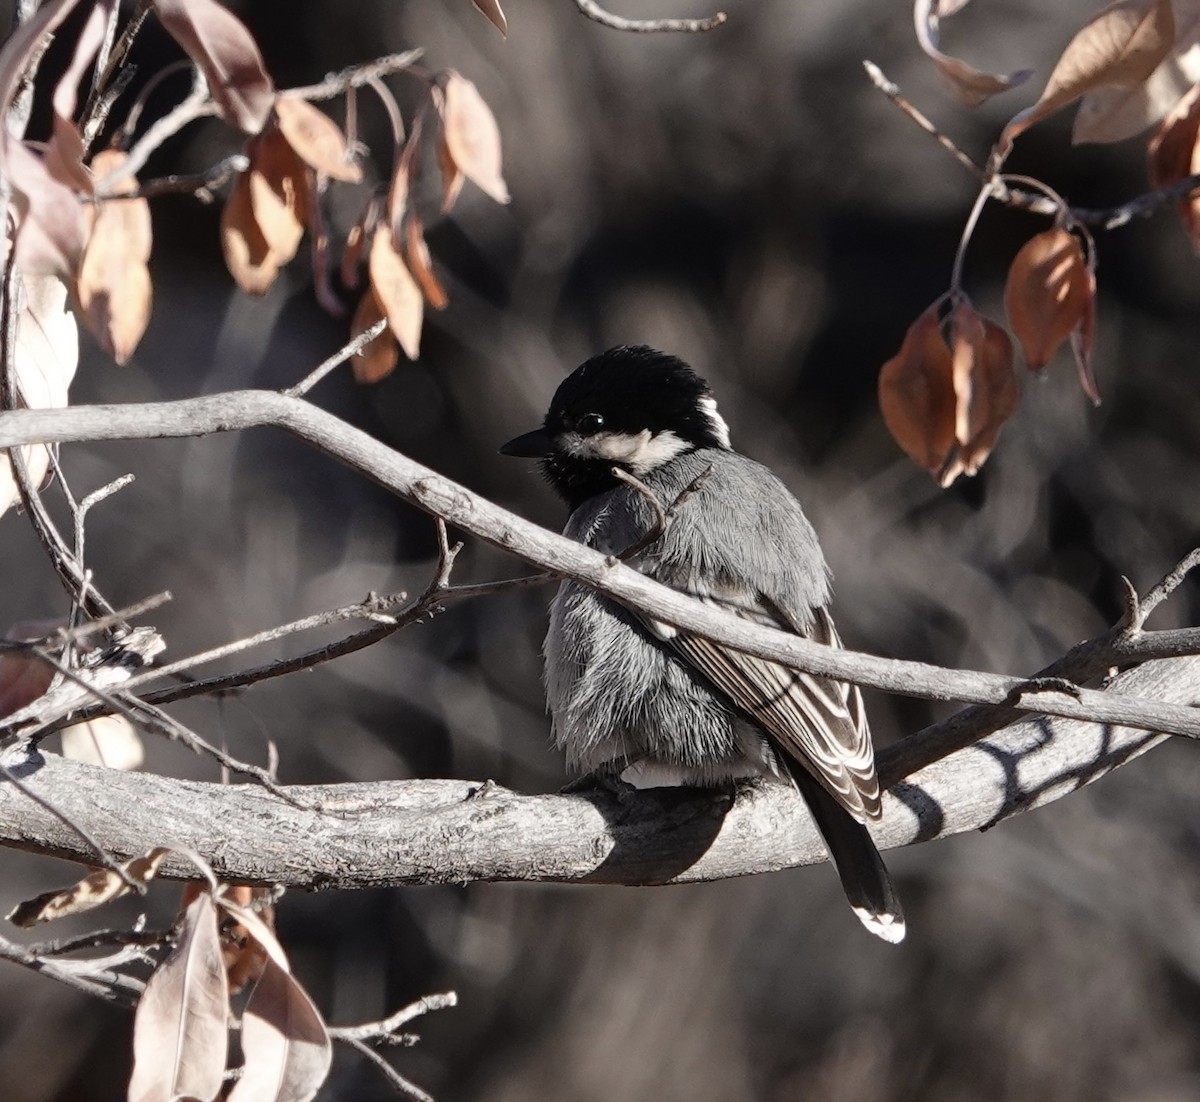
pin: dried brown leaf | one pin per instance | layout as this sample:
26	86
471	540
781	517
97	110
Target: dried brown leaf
494	13
916	394
244	957
1174	153
1114	114
379	358
23	678
226	53
970	85
97	888
1121	46
51	226
403	178
396	291
263	221
247	254
985	385
110	741
316	139
279	193
113	287
1046	294
472	138
47	354
284	1040
420	263
180	1030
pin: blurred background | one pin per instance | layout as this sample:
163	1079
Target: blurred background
746	200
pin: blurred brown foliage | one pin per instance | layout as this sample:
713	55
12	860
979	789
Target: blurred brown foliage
746	200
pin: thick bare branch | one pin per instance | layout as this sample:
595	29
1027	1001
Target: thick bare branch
419	832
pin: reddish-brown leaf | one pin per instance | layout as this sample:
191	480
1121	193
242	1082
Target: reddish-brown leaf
279	192
316	139
285	1043
420	263
113	287
263	221
1046	293
23	678
472	138
970	85
1121	46
244	957
181	1028
226	53
1174	153
396	291
916	394
379	358
247	254
97	888
985	386
494	13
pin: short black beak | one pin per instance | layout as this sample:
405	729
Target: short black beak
533	445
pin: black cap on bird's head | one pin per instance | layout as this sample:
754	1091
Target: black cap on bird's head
630	407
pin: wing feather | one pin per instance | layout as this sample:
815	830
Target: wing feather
819	722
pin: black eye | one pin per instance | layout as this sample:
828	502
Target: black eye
589	423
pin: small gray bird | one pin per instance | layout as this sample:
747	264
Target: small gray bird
677	708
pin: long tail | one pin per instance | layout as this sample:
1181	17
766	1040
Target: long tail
864	877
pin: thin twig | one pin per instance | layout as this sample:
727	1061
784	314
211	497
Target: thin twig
1108	218
108	67
351	348
662	516
404	1086
110	986
147	715
68	569
356	76
200	184
1167	586
645	26
892	91
381	1030
339	649
198	105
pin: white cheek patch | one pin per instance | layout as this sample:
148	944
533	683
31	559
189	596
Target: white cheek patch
640	452
715	421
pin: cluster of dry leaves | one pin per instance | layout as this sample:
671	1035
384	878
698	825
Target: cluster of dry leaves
949	390
82	234
80	238
223	947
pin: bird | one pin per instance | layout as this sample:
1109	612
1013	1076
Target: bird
635	445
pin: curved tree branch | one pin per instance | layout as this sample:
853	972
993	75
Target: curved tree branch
469	511
387	833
